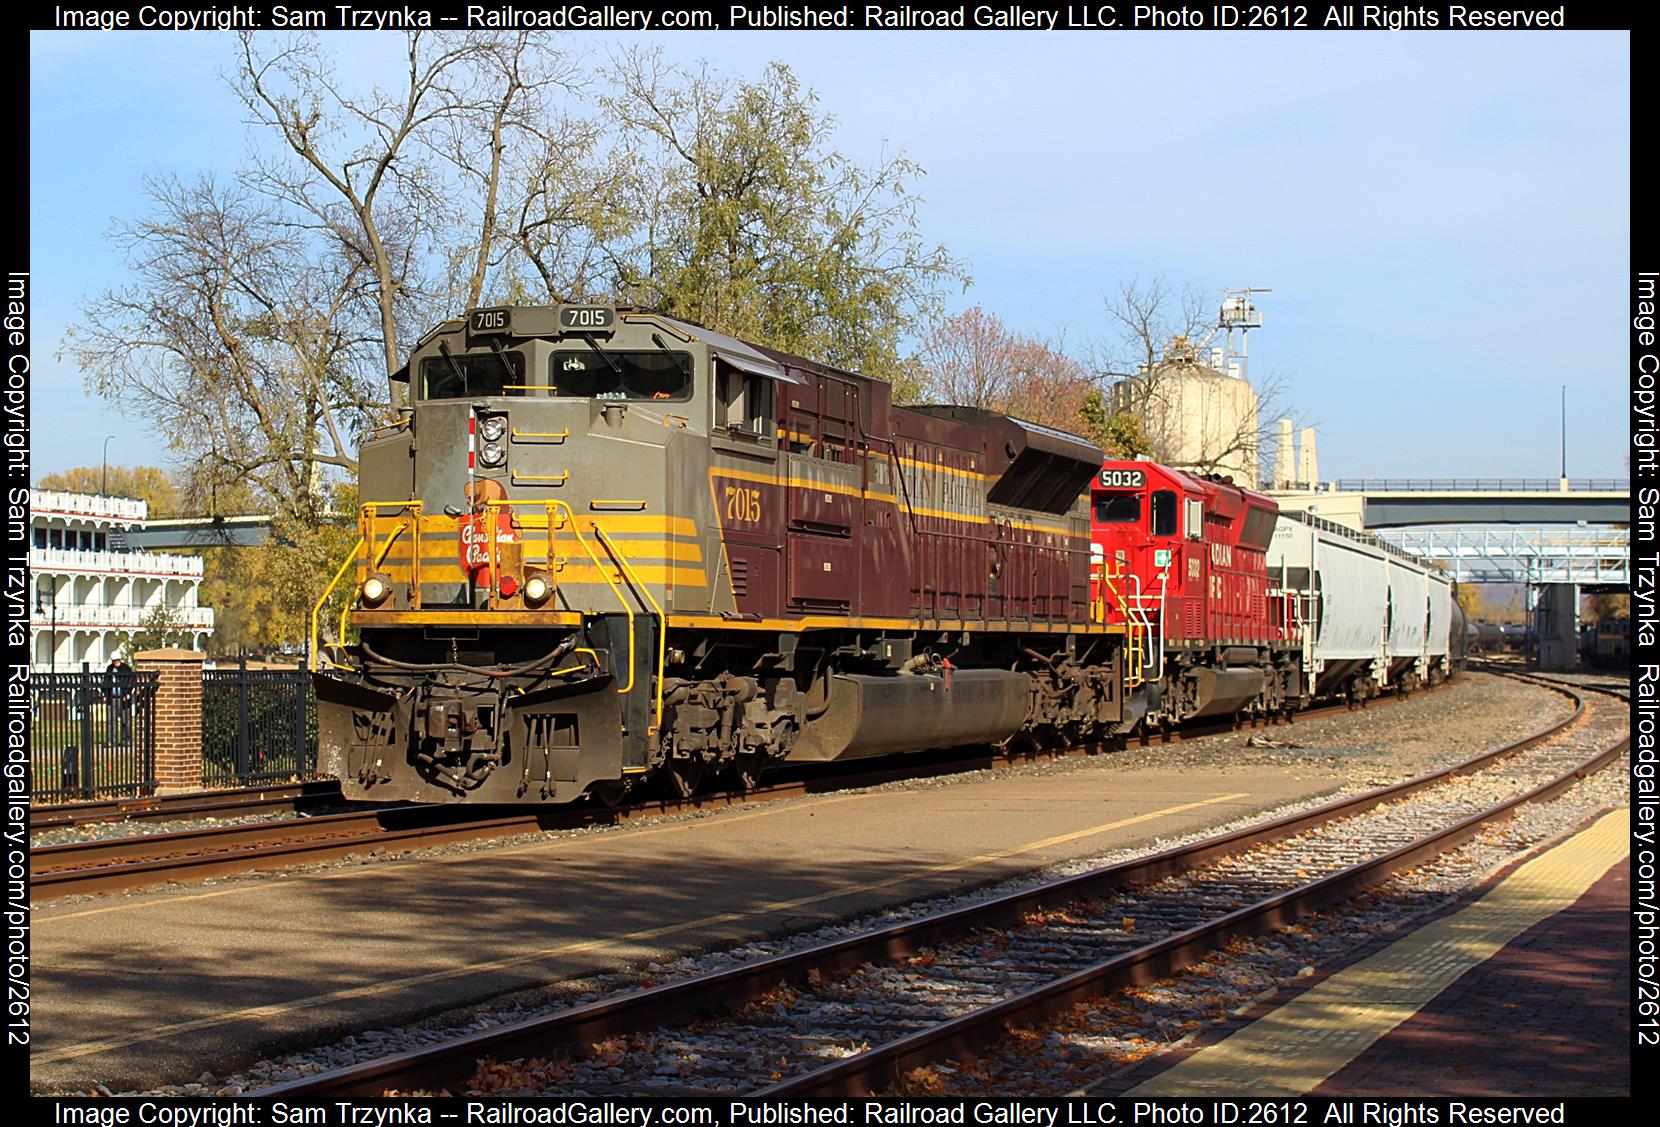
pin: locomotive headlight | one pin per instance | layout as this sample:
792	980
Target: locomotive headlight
537	587
493	428
375	588
492	454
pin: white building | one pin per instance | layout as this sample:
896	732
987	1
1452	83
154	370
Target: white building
88	590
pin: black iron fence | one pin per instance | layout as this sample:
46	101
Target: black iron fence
258	726
92	734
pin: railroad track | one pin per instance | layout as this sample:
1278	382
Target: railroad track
181	807
855	1015
147	860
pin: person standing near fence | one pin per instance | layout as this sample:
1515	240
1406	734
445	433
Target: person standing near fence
119	691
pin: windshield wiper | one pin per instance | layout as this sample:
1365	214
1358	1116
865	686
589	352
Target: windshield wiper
466	387
609	363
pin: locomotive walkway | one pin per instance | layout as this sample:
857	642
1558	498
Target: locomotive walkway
1521	992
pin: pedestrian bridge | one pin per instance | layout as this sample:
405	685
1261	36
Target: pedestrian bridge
1374	503
1585	557
200	532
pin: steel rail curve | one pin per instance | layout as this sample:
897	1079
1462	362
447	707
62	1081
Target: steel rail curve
572	1031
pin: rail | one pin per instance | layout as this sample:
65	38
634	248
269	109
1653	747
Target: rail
568	1034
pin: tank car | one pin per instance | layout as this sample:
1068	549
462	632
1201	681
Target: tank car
603	545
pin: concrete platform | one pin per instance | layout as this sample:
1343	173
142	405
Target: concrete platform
158	987
1524	991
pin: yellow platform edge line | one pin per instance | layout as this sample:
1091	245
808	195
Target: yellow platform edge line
1295	1047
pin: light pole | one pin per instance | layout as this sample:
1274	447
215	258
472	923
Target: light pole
1564	436
52	635
104	477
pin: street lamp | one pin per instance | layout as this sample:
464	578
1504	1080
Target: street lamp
52	635
104	477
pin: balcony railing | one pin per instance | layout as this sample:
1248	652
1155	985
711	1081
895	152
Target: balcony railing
1483	485
114	563
84	504
119	618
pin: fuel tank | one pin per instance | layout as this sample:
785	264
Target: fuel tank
880	715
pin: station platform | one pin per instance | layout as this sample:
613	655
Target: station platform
1522	991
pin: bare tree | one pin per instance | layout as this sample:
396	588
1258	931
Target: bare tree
967	359
1190	414
236	340
1147	316
427	232
974	360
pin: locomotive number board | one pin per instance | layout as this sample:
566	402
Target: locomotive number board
541	322
586	317
1123	479
487	321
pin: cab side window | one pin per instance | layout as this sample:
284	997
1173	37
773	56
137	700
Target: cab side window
1164	513
744	401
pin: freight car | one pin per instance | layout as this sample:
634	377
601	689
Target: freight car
604	546
1371	617
1609	644
1232	607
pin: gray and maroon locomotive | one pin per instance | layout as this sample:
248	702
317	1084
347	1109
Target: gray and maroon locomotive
604	546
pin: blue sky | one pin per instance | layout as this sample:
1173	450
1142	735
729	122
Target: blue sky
1444	218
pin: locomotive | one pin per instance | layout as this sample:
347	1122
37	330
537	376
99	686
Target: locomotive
1233	607
603	545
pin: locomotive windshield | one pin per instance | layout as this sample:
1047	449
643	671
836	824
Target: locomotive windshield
622	375
1117	508
464	375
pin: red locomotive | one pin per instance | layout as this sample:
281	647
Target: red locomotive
1181	563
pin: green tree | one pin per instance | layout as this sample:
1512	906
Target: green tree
744	218
1118	433
159	629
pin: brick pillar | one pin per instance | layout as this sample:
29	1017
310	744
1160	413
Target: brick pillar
178	713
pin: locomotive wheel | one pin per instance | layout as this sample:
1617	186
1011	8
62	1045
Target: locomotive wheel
681	776
746	769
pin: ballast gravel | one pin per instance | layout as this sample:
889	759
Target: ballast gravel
1382	744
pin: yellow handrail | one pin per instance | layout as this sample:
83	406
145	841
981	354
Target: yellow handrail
662	618
576	531
318	608
386	545
1135	671
557	478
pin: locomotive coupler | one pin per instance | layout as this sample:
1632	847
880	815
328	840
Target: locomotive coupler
460	741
